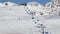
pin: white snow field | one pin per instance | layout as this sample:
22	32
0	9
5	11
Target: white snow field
15	20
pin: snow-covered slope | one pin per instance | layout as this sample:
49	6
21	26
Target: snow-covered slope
15	20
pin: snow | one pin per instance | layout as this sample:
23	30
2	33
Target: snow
8	4
15	20
1	4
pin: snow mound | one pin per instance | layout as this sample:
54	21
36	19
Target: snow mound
8	4
36	4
